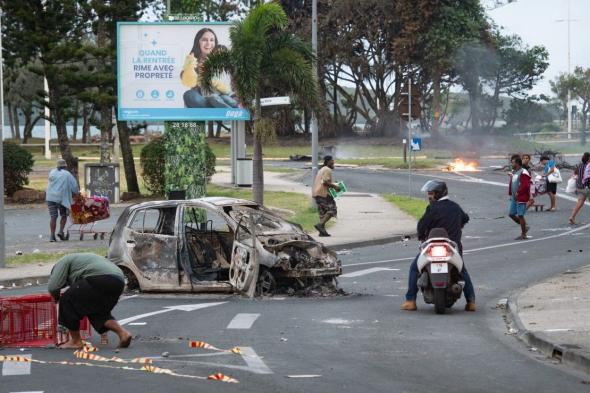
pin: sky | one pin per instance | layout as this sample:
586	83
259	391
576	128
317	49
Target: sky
535	21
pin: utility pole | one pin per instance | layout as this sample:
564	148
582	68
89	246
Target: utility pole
2	224
569	20
410	137
314	120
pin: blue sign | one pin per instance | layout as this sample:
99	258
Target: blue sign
416	144
158	73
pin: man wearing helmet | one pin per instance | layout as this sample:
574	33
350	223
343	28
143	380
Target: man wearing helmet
441	213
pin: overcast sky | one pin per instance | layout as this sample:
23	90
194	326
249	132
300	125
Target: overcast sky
535	21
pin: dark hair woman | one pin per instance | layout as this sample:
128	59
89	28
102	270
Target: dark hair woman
204	44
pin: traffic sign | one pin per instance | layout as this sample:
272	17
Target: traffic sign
416	144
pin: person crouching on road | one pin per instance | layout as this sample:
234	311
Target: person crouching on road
325	203
519	189
95	285
61	187
440	213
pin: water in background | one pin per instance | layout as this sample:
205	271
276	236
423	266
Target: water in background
39	130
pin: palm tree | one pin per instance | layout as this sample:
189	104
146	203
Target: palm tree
263	55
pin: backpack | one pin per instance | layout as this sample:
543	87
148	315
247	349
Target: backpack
582	172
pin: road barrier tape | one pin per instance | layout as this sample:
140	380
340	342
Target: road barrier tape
114	359
15	358
145	368
204	345
223	378
89	347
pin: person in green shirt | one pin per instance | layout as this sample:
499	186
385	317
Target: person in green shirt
95	285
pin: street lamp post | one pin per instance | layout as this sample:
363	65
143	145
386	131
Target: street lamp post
314	120
569	20
2	244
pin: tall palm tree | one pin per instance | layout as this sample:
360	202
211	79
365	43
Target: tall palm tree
263	55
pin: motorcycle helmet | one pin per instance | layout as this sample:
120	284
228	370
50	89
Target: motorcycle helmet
438	187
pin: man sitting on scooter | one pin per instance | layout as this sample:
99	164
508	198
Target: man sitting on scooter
441	213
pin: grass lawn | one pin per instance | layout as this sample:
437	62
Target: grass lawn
413	206
297	207
394	163
45	257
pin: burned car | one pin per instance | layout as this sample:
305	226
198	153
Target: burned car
216	244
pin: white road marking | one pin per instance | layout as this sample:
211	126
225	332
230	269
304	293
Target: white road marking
17	368
573	231
137	323
254	363
186	307
36	391
367	271
243	321
378	262
558	330
304	376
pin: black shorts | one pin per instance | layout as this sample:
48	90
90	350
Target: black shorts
54	207
93	297
326	205
551	188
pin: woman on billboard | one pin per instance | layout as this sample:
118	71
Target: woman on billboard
222	97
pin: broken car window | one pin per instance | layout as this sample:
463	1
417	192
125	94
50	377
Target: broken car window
203	219
156	220
265	223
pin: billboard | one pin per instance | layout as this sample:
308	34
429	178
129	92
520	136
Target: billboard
158	73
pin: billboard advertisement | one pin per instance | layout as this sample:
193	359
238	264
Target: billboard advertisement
158	73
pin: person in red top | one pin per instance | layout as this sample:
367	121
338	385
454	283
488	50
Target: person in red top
519	191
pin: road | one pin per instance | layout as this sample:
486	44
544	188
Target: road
359	342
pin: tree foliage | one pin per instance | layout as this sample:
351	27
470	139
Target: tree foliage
263	55
18	163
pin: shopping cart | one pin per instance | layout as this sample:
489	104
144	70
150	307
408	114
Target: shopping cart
86	211
30	321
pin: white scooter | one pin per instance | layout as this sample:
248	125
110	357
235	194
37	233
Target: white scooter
440	266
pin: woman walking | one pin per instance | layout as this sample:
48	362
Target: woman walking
582	175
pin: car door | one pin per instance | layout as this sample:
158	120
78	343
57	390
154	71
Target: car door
152	244
244	267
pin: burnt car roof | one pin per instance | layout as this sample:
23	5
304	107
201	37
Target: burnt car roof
212	201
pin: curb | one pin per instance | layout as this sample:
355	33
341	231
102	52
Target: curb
568	355
372	242
40	280
23	282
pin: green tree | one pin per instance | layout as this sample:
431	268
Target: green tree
263	52
581	91
528	114
517	69
52	32
431	34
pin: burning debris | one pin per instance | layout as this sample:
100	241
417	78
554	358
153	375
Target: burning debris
458	165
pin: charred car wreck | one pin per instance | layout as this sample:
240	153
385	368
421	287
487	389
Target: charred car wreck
216	245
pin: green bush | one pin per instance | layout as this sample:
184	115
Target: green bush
210	160
153	160
18	163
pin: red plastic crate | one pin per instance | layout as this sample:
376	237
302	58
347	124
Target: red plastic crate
30	321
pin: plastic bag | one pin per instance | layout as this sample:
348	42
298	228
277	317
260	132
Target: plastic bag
555	176
571	185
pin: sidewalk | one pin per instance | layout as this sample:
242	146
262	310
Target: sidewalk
363	219
554	317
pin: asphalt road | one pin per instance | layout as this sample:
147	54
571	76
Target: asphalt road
359	342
